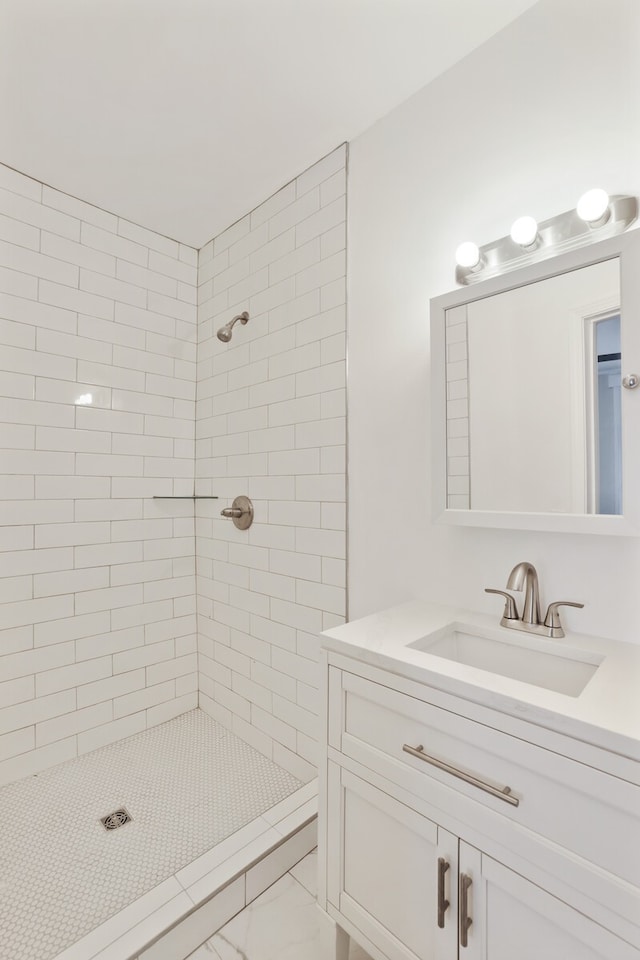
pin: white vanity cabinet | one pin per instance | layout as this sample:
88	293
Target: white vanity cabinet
450	831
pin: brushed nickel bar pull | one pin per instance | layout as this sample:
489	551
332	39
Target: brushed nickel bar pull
465	919
502	793
443	904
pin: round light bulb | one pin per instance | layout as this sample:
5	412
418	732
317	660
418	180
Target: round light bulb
524	231
468	254
593	205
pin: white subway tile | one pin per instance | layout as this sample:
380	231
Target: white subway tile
28	764
324	543
147	238
78	208
13	231
333	516
85	441
35	412
330	376
146	279
292	564
294	514
70	581
170	307
73	675
34	711
296	411
16	538
112	288
37	264
179	270
16	512
72	299
110	732
19	183
71	628
77	254
104	644
16	334
329	216
39	215
116	246
70	724
294	212
16	488
17	437
39	364
71	534
323	487
143	699
321	433
333	459
16	385
26	612
144	319
16	691
108	689
37	314
333	294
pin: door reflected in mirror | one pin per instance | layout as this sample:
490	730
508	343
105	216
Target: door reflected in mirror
533	379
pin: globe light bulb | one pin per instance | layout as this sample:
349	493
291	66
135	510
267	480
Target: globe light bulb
524	231
593	205
468	254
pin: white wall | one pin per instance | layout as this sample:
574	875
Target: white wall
97	589
271	425
545	110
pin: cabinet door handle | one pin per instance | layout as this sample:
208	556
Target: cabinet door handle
502	793
465	919
443	904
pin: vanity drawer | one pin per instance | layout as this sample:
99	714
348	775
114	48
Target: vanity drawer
590	813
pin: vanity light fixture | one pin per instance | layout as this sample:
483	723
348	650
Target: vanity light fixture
593	207
468	255
596	217
524	232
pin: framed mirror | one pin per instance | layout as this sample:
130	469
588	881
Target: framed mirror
532	426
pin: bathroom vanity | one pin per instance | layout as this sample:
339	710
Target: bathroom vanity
480	790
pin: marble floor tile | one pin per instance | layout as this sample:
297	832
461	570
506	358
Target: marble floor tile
283	923
306	872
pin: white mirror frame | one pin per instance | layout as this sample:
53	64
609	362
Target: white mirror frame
627	248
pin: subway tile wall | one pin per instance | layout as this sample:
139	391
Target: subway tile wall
271	425
97	406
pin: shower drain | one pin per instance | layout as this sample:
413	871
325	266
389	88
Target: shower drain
116	819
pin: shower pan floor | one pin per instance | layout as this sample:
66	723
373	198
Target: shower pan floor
187	785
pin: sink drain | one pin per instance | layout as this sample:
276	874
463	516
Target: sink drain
116	819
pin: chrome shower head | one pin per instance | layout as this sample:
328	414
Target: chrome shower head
224	333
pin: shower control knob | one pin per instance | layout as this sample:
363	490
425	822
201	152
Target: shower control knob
631	381
240	511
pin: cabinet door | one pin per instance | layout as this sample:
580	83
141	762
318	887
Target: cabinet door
513	918
396	879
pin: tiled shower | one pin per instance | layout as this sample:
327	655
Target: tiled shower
125	601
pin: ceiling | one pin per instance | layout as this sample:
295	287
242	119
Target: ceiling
182	115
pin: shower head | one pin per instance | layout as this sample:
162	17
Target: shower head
224	333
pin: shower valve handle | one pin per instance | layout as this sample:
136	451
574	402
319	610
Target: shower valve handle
240	511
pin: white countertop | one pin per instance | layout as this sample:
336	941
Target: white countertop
606	713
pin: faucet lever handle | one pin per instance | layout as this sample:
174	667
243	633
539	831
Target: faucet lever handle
510	608
552	619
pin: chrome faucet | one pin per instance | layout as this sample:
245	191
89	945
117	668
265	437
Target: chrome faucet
524	576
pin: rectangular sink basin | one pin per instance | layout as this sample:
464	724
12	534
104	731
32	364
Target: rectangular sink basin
522	658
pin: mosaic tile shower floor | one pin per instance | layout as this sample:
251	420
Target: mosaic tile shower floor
187	784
